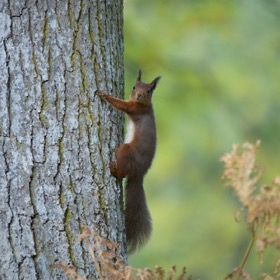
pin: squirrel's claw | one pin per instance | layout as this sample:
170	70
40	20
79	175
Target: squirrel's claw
102	94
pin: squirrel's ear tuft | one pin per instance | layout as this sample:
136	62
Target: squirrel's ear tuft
139	75
155	82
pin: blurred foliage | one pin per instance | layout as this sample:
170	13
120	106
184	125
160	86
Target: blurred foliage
219	62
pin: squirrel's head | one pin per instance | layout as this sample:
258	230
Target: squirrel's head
143	92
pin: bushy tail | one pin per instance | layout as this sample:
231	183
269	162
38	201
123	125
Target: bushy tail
137	217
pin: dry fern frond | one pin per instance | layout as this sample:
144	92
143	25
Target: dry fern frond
114	266
244	275
160	272
70	271
144	274
263	206
109	260
242	176
240	171
172	273
265	211
183	274
266	205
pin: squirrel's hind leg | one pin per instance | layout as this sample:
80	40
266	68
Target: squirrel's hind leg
113	168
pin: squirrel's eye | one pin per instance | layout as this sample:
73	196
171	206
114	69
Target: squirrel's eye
134	87
148	91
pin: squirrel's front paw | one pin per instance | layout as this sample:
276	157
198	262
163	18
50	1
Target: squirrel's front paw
102	95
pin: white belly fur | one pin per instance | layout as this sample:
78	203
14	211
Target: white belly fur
129	131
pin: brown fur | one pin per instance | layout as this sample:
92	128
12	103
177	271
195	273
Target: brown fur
135	158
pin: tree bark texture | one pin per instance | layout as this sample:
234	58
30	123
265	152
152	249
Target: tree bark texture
56	137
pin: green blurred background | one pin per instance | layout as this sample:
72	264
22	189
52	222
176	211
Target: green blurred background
220	68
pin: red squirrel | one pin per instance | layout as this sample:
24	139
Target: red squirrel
134	158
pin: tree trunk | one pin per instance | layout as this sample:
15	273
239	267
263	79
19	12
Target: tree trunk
56	137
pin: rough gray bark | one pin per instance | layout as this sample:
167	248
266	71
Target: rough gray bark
56	137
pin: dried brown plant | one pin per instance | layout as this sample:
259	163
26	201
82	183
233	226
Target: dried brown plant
110	265
262	204
70	271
